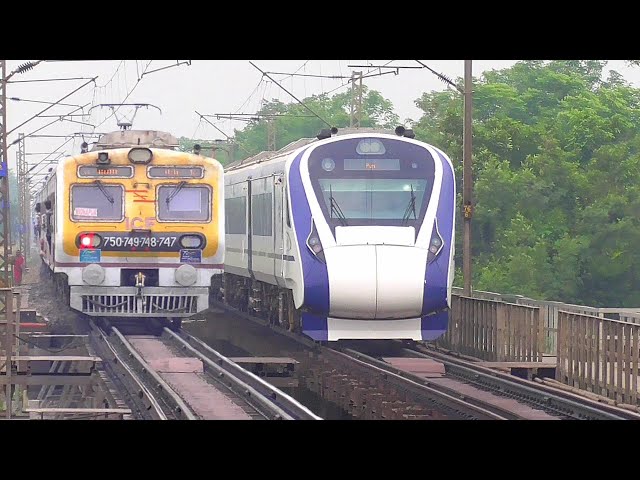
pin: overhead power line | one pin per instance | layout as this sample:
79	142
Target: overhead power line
16	99
336	77
49	80
252	116
178	63
214	126
45	126
442	77
301	103
51	106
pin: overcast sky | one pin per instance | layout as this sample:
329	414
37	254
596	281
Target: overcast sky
208	86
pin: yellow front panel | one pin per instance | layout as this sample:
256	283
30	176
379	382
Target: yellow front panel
140	202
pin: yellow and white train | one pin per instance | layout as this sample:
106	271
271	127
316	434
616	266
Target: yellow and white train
133	228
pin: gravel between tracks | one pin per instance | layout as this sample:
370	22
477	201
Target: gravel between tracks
44	299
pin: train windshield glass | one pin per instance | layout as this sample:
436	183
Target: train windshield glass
97	202
184	203
373	198
382	181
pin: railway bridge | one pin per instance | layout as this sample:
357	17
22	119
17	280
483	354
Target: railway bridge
589	349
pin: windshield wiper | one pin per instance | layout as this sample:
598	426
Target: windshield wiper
175	192
336	208
410	208
104	191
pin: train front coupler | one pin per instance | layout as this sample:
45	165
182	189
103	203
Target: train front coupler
140	278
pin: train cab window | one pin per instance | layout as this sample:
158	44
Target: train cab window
374	199
357	187
184	203
97	202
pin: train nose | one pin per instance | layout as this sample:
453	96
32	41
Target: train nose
376	281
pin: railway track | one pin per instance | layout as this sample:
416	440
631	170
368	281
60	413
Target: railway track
446	402
559	402
175	376
371	388
148	395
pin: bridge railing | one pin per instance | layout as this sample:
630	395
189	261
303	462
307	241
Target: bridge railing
600	355
549	311
494	331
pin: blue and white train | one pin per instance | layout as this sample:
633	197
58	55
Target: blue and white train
344	236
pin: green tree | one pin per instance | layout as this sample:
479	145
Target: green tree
298	122
556	161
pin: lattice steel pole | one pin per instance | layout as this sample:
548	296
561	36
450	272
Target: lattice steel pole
271	134
28	222
355	112
5	219
5	212
21	163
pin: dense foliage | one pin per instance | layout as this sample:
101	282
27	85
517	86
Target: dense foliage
556	165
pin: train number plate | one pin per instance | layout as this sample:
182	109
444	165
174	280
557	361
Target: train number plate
130	242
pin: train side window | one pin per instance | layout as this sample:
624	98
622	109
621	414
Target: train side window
236	215
262	214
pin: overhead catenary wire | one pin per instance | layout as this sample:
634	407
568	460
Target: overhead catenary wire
237	110
51	106
49	80
216	127
301	103
28	100
335	77
115	110
178	63
45	126
114	74
365	75
442	77
44	159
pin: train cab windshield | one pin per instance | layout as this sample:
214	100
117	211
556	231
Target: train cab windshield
97	202
372	182
184	203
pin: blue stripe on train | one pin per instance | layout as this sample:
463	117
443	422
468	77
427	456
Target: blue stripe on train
436	274
315	275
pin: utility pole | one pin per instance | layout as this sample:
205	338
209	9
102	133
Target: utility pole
356	103
227	147
271	134
4	187
5	297
467	177
23	192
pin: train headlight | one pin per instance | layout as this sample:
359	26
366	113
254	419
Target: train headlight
370	146
314	244
93	274
328	164
89	240
436	243
191	241
186	275
103	158
140	155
